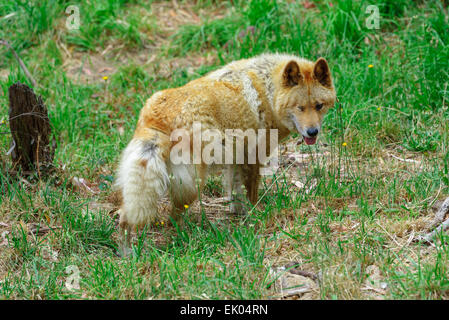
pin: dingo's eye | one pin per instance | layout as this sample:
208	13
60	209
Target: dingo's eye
319	106
301	108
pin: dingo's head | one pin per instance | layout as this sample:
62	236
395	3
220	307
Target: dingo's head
305	93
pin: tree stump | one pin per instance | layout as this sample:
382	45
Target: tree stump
30	129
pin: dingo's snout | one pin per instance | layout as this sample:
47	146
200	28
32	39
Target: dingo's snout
312	132
311	136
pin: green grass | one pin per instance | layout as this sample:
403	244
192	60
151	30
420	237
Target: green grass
362	204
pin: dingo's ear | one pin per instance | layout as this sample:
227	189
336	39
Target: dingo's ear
291	75
322	73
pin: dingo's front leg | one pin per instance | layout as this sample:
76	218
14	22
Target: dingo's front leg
124	249
251	177
234	190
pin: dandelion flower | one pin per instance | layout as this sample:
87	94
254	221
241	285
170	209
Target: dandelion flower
370	66
379	108
344	144
162	223
186	206
105	78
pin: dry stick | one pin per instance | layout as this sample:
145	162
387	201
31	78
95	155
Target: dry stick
437	221
42	230
292	268
22	65
441	228
439	216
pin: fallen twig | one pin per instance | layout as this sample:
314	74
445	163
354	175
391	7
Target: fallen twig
439	216
294	270
430	237
217	202
377	290
438	223
288	283
82	184
405	160
42	230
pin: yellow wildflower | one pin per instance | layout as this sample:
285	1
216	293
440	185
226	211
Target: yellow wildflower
186	206
370	66
105	78
344	144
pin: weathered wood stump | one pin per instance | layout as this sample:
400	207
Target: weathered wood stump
30	128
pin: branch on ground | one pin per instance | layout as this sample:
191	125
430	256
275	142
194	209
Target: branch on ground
438	224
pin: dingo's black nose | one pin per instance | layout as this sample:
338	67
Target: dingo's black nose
312	132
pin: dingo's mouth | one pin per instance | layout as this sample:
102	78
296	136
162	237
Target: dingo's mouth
309	141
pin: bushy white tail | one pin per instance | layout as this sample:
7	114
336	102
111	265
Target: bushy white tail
143	180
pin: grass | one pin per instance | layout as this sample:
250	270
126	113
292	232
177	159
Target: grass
360	204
